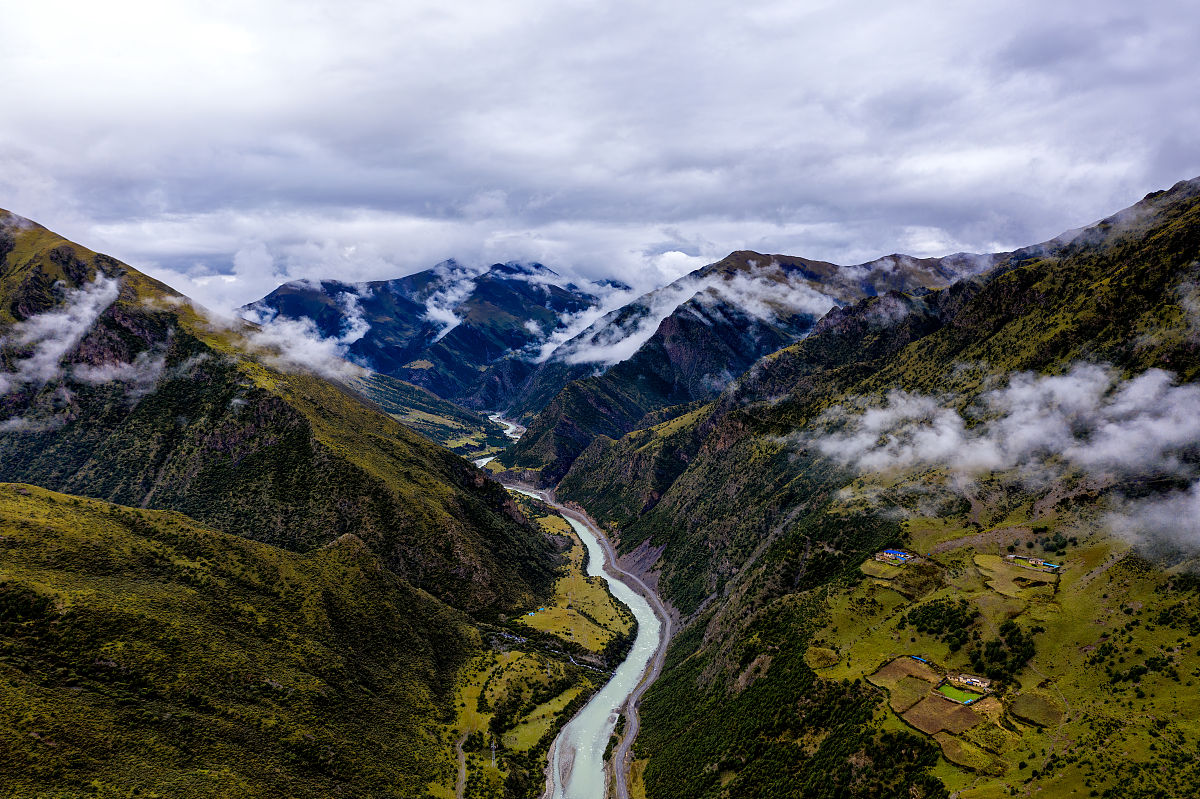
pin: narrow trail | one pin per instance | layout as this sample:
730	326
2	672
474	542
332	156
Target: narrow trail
460	785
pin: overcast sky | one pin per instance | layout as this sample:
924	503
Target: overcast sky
227	146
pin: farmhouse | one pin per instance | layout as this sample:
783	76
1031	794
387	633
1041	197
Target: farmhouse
971	681
1034	563
896	556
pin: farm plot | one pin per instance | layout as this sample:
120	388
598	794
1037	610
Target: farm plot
958	694
892	673
907	693
935	714
1007	578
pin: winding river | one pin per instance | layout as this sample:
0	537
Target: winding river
576	768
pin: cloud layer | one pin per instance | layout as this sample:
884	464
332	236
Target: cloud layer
230	147
763	292
1087	420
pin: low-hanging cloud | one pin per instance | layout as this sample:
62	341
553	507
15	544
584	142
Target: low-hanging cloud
765	292
50	336
455	284
139	376
1087	417
293	345
1169	521
1087	420
354	324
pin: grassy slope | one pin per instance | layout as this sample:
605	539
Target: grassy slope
753	526
462	431
1070	715
200	663
286	458
140	650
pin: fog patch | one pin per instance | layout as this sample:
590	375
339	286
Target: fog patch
53	334
140	377
456	282
354	325
1039	428
292	345
767	293
1087	417
1189	301
1169	521
887	311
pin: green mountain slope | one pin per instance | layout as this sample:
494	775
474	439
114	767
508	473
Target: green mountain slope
460	430
303	629
143	654
761	524
151	404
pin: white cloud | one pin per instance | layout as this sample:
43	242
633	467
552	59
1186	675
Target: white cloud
1044	427
51	335
455	283
355	325
140	376
765	125
293	345
1087	418
1171	520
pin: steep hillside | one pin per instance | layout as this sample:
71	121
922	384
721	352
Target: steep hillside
685	342
458	429
113	386
1044	409
144	654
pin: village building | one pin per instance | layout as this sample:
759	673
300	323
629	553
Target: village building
895	556
1034	563
971	681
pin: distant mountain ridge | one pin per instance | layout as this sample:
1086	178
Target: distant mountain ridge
499	338
442	328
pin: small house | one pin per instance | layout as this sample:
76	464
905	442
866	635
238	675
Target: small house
896	556
971	680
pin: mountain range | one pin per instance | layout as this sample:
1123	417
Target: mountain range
500	338
226	552
1044	409
926	527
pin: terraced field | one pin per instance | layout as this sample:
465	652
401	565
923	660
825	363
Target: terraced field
1114	662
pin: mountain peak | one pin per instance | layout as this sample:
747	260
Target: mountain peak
530	269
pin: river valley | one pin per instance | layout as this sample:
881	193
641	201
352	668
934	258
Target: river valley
576	768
